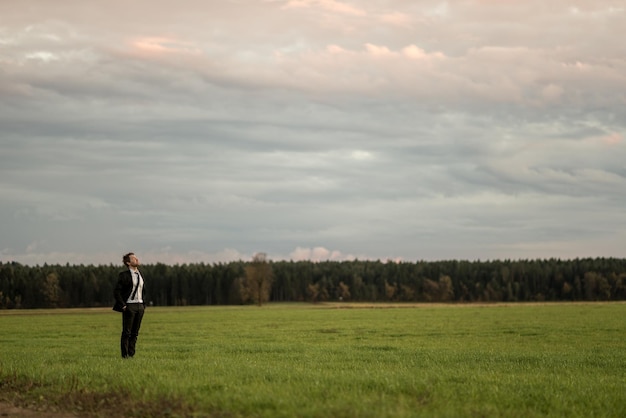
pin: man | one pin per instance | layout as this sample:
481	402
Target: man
129	300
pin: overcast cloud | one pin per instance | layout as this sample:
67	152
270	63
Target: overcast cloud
207	131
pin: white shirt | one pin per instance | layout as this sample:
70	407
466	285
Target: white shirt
138	285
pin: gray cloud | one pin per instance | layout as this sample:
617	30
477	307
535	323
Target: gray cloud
315	129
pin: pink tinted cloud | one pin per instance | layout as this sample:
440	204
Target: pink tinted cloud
414	52
328	5
612	139
377	50
410	51
315	254
164	45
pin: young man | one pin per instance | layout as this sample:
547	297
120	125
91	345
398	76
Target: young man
129	300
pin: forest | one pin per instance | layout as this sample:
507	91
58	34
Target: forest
451	281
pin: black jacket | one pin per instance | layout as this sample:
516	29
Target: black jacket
123	289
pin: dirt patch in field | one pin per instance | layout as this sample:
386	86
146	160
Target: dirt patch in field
17	402
10	411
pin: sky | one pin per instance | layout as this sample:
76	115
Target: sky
207	131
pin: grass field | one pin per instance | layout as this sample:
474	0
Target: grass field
297	360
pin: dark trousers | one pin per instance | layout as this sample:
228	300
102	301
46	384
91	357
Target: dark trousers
131	322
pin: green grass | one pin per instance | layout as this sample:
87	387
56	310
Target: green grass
319	361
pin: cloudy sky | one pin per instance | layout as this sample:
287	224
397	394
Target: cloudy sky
207	131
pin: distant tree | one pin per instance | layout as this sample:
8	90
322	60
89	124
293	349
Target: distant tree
259	278
590	281
407	293
313	292
446	290
390	290
240	292
431	290
604	288
566	290
343	291
51	290
357	287
317	292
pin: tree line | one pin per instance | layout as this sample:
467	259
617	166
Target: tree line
260	280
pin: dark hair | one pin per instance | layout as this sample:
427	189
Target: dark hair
126	258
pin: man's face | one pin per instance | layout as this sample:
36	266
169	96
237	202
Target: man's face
133	261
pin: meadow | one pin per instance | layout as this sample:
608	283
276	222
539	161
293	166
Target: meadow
339	360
